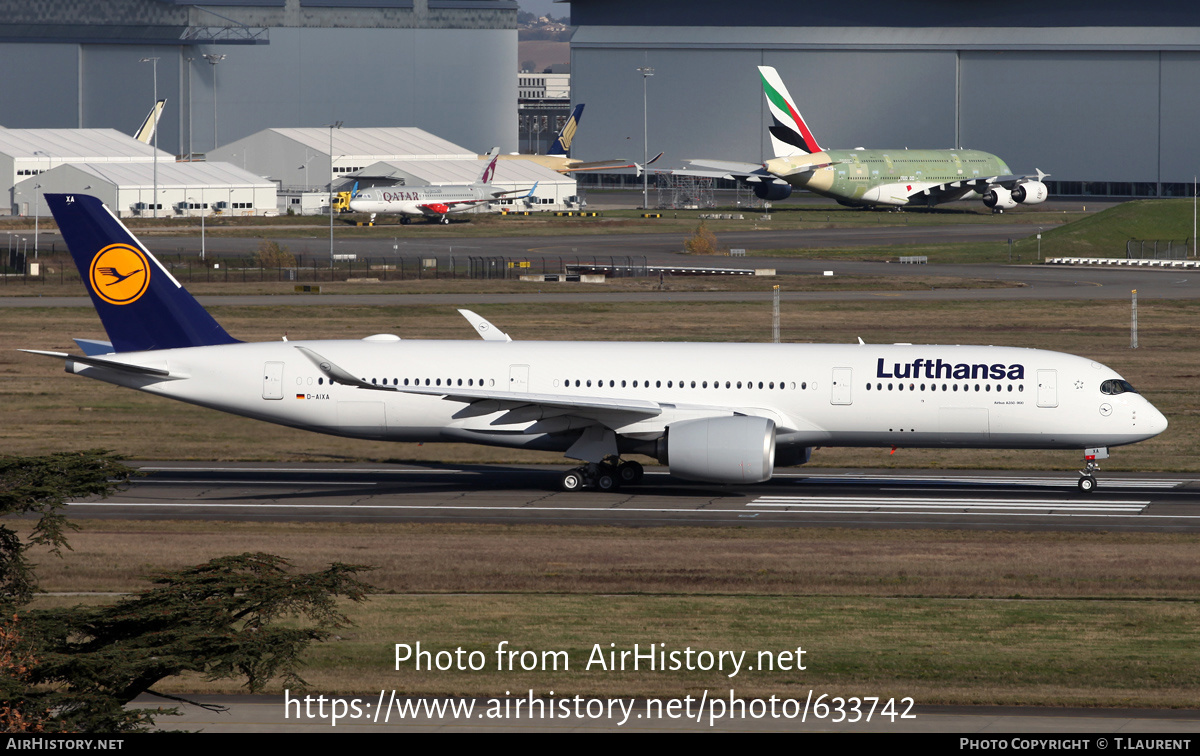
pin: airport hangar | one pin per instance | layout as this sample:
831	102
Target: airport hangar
299	162
230	68
1102	94
183	189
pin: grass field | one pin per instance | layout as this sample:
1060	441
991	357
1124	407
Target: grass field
966	617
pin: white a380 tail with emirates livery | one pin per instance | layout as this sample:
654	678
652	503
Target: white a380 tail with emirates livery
715	412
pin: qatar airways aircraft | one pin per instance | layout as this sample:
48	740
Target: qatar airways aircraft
433	202
723	413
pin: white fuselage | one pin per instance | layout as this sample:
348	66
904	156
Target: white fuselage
816	395
422	201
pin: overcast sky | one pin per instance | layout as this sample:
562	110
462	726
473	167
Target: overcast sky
542	7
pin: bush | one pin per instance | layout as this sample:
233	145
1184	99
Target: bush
271	255
703	242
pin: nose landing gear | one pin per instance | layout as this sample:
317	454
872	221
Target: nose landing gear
1087	476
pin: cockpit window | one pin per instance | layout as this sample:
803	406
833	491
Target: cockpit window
1116	386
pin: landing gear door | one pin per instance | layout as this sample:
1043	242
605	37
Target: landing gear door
273	380
1047	388
843	378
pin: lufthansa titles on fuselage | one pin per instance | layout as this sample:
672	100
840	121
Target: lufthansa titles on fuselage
939	369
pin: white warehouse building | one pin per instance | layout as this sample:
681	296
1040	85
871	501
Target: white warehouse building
32	152
184	189
298	159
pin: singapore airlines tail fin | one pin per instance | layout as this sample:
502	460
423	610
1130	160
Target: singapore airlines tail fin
145	132
140	303
789	133
562	145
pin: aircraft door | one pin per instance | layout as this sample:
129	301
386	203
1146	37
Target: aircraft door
273	380
518	377
1047	388
843	378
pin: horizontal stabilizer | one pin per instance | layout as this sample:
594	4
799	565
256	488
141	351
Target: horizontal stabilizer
100	362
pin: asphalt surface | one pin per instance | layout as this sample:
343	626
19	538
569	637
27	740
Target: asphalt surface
976	500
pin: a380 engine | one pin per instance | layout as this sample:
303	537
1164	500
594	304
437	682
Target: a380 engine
1030	192
736	449
1024	193
772	191
999	198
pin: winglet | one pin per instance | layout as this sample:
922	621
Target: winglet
485	329
336	374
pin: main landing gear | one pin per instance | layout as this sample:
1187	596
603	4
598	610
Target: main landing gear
608	475
1087	476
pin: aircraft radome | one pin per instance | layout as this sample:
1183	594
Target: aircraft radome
716	412
862	177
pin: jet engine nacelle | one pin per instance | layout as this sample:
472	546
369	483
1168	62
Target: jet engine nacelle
736	449
1030	192
999	198
772	191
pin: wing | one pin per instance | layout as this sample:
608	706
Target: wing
520	406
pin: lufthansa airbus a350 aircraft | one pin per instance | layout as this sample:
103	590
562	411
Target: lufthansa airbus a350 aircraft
723	413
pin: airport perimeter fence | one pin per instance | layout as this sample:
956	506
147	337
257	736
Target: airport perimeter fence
59	268
1159	249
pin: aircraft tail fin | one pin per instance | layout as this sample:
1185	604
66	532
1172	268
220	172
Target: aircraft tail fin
789	133
145	132
140	303
489	171
562	145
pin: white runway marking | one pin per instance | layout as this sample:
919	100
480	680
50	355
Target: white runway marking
931	505
1065	482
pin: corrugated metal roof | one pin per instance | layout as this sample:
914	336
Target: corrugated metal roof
465	171
76	144
173	175
396	143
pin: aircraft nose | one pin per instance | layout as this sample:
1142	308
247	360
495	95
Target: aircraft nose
1153	421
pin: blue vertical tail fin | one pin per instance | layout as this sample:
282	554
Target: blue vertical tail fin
139	302
562	145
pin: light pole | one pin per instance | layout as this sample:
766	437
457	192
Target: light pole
214	59
189	62
201	206
646	72
307	160
332	126
37	206
154	119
